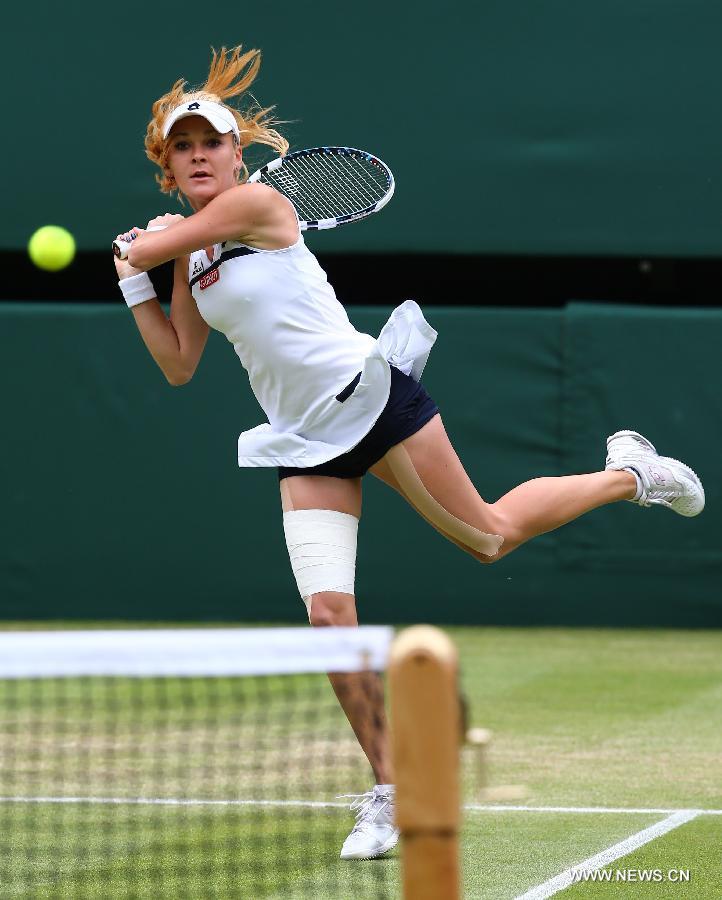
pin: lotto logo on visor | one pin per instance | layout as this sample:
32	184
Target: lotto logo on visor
218	116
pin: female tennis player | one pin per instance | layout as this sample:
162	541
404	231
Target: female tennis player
339	403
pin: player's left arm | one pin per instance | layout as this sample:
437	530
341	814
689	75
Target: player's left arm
241	212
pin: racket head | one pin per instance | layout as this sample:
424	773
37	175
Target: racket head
329	186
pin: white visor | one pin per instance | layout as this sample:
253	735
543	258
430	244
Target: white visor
220	117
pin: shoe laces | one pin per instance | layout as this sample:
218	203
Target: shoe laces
660	498
651	494
365	805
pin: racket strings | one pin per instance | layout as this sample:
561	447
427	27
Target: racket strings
322	196
353	173
300	190
330	185
343	175
362	175
325	196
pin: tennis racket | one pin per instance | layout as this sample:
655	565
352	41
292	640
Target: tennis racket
328	186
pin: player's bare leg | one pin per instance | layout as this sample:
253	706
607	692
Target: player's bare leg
531	509
360	694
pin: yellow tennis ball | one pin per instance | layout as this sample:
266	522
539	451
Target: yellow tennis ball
51	248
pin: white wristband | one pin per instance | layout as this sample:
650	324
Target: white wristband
137	289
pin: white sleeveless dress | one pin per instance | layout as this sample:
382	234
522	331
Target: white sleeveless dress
299	349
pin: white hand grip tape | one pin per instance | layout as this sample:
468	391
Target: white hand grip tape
122	248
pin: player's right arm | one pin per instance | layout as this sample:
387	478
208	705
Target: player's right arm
177	342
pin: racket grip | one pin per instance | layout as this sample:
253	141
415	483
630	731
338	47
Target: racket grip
122	248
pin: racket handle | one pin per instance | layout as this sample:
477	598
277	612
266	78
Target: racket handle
122	248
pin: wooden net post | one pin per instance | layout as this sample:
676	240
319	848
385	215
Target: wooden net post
426	731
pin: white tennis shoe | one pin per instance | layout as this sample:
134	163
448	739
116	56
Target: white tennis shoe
374	832
661	480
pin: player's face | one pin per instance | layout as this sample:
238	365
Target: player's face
202	161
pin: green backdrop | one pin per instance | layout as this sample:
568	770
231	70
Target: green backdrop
122	498
512	127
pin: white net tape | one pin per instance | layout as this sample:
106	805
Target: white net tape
193	652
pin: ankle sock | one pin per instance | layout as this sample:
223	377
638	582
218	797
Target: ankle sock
640	488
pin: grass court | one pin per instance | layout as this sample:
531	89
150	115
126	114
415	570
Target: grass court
604	733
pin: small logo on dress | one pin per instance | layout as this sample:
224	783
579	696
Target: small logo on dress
209	278
197	268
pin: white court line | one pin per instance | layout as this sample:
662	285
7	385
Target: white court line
654	810
616	851
320	804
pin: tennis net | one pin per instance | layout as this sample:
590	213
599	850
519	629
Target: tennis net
184	763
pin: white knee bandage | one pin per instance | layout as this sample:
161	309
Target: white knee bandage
322	547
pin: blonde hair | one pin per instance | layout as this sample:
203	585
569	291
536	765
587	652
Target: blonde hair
231	73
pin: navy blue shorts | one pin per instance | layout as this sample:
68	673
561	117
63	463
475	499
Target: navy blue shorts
409	408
